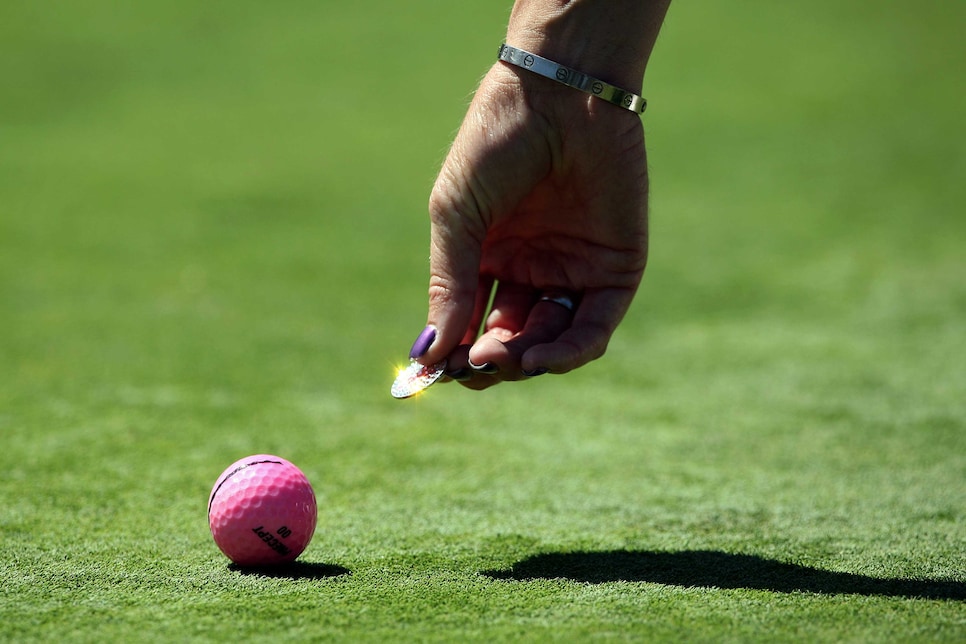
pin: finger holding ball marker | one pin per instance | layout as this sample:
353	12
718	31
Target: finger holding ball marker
262	511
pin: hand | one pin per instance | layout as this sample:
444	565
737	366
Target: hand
544	191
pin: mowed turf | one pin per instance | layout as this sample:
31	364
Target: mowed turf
213	243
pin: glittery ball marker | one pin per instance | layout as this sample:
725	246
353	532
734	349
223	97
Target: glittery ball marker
416	378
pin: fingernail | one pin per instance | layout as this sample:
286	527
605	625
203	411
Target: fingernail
423	342
533	373
460	375
488	368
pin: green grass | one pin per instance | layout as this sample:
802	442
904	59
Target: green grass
213	243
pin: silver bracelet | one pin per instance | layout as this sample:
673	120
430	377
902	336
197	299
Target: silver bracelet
572	78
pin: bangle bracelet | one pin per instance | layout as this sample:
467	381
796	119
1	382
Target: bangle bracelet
572	78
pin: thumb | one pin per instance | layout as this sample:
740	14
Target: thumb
454	283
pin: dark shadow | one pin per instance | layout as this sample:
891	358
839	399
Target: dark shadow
710	569
293	570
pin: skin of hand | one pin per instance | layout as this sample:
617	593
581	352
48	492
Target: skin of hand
544	190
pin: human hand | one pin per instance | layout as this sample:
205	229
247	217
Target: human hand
544	192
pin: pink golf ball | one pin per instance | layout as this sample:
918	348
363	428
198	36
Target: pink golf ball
262	511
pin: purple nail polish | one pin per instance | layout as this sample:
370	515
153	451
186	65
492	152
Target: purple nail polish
423	342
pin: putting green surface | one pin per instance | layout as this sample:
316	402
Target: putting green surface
213	243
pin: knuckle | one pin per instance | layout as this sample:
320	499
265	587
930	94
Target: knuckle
444	291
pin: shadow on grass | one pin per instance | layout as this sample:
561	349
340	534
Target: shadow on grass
293	570
710	569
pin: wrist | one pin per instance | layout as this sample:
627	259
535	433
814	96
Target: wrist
607	39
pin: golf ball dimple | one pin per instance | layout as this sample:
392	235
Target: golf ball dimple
262	511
